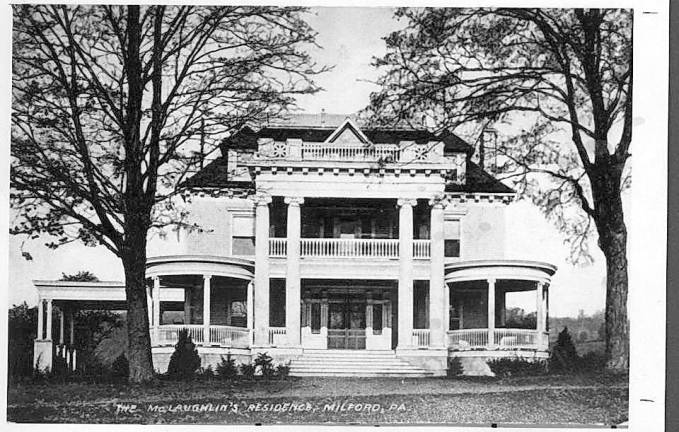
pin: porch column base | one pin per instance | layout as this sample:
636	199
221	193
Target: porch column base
43	354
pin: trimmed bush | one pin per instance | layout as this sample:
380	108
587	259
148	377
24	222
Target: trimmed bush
564	357
282	371
454	367
247	370
185	360
506	367
265	362
226	368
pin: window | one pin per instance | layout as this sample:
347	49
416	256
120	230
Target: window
243	235
277	303
377	318
315	317
451	235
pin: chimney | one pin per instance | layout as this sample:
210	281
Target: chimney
322	117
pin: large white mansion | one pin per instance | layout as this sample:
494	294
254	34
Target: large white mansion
345	250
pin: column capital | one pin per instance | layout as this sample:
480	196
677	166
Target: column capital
411	202
261	199
491	281
294	200
207	277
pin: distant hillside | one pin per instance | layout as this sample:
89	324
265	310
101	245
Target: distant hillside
587	331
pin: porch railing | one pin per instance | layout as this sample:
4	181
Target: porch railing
467	339
237	337
421	249
503	338
277	335
388	153
349	248
278	247
68	354
421	338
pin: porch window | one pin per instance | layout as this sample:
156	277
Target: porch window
277	303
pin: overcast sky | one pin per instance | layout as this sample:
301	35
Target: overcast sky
350	37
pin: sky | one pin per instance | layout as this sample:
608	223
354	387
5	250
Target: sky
350	38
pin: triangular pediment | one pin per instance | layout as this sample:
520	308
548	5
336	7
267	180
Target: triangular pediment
348	133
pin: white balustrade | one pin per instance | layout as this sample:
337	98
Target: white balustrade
421	338
421	249
385	152
349	248
236	337
278	247
465	339
169	334
277	335
516	338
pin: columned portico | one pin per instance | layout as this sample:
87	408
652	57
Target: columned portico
405	278
261	315
292	278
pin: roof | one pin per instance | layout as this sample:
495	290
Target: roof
478	180
216	174
246	138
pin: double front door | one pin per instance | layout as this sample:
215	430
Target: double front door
346	322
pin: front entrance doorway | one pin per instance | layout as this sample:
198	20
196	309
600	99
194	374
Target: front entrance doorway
346	322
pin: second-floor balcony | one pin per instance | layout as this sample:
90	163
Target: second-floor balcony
348	248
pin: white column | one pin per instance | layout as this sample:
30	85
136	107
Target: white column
149	305
437	300
71	321
405	278
261	319
292	277
61	325
491	312
41	322
206	309
49	320
540	314
156	309
249	305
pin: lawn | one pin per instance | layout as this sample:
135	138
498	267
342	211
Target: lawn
581	399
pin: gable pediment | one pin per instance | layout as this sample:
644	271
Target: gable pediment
348	133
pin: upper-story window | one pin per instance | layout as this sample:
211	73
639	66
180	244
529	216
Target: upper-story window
243	236
451	235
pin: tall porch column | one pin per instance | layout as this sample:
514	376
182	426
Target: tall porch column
71	325
249	305
262	269
156	309
292	277
437	300
206	309
491	312
41	318
405	277
49	320
540	318
61	325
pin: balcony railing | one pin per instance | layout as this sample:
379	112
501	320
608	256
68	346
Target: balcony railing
277	336
469	339
421	249
387	153
349	248
228	336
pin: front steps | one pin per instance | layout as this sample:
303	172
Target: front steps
357	363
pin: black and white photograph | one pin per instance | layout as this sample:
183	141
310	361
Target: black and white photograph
312	214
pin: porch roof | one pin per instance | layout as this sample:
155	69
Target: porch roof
499	269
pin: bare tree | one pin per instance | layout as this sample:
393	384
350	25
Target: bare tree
110	104
567	74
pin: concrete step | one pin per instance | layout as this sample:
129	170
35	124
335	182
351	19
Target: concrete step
362	374
361	363
399	366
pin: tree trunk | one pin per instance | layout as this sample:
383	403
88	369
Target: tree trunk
613	242
138	337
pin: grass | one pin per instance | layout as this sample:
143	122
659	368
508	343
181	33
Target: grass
579	399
